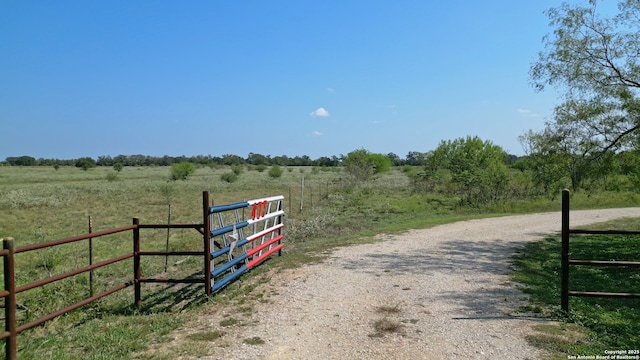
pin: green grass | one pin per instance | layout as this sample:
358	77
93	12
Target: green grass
593	324
40	204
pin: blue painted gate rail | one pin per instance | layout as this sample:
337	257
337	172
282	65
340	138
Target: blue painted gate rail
244	234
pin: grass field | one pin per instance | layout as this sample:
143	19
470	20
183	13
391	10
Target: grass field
594	324
40	204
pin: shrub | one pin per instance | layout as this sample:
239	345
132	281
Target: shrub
275	171
112	176
229	177
181	171
358	165
261	168
237	169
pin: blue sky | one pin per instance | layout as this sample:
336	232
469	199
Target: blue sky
294	77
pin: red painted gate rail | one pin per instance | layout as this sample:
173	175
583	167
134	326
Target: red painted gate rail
8	253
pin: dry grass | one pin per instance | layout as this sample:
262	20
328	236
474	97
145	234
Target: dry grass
385	326
387	309
253	341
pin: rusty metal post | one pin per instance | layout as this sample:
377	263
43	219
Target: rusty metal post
207	242
90	257
564	291
10	301
166	257
137	271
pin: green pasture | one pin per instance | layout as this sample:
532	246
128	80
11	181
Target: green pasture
41	203
594	324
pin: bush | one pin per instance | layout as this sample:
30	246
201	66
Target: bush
362	165
229	177
181	171
261	168
275	171
381	163
237	169
112	176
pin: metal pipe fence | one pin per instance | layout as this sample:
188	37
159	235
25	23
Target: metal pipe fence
137	253
567	261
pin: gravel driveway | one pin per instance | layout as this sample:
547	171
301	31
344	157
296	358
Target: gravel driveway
438	293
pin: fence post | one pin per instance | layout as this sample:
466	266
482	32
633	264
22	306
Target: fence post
10	300
207	242
90	256
564	291
301	193
137	271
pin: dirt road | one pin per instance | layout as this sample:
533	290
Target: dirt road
439	293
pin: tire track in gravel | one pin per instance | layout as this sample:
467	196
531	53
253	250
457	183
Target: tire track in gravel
447	289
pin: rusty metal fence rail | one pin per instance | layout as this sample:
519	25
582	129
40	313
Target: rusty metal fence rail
566	260
9	252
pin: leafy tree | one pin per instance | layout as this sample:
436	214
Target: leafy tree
104	160
258	159
594	61
181	171
358	165
22	161
303	160
118	166
85	163
281	160
362	165
569	147
477	169
228	159
395	159
416	158
323	161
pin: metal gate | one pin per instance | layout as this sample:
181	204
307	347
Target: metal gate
242	235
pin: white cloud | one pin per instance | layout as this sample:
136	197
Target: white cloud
317	133
528	113
320	112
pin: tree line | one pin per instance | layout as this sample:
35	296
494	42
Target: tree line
413	158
